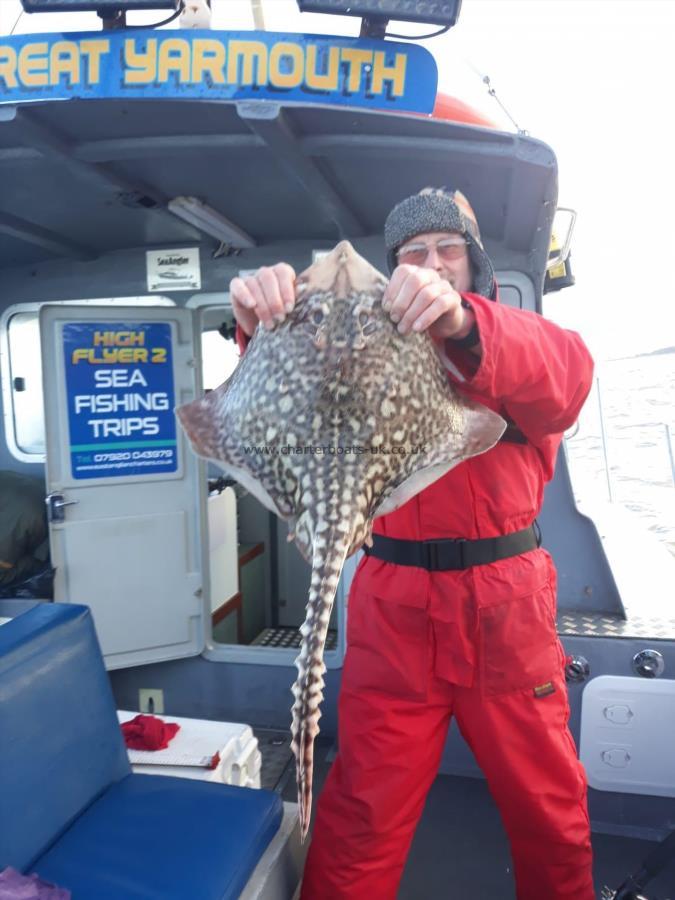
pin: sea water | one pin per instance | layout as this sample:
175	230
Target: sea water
624	456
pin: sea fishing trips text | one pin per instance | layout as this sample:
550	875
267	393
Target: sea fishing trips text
119	379
110	347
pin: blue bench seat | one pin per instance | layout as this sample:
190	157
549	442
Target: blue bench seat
150	837
72	811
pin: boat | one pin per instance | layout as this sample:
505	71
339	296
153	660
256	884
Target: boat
141	170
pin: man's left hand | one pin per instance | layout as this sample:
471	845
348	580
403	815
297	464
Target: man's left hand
419	299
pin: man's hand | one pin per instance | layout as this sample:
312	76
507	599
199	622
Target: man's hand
420	300
267	297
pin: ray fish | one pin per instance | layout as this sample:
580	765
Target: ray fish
331	419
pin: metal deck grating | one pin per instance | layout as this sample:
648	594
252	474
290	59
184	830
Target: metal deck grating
658	628
288	638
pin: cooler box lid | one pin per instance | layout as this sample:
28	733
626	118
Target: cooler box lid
191	752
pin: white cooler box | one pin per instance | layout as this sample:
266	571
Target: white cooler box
196	742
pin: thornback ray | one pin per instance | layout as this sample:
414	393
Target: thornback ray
331	419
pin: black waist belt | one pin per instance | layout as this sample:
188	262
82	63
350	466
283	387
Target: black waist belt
440	555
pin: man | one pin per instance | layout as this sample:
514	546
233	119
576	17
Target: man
469	630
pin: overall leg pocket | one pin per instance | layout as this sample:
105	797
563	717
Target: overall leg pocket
387	647
518	643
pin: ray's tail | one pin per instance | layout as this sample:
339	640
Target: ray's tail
329	553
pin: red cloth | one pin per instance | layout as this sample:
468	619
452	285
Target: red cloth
148	733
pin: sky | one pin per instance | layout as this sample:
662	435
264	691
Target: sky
594	79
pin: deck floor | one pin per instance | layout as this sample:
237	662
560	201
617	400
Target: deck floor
479	864
460	849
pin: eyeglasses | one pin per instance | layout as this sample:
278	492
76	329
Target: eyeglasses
447	248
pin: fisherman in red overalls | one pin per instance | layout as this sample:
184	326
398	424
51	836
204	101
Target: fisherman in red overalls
452	611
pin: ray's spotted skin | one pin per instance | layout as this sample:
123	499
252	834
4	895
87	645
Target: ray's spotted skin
331	419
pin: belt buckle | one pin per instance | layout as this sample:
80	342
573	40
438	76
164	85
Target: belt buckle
434	562
432	556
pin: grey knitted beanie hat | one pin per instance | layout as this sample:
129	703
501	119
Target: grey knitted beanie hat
439	209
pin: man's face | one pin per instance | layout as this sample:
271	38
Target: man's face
445	251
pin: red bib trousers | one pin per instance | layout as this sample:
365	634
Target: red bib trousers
399	692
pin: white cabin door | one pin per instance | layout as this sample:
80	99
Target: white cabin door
126	496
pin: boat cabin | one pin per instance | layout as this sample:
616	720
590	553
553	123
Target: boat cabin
140	171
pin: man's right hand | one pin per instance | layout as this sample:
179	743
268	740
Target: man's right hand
267	297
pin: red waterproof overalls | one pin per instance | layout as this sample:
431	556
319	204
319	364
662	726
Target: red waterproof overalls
479	644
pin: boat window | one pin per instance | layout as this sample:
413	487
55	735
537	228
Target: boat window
515	289
22	372
510	296
220	353
220	356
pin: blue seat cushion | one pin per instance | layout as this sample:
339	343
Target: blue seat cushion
154	836
61	746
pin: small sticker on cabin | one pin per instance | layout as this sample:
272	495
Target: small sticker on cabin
173	270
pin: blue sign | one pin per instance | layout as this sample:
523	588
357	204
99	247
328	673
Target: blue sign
218	65
119	384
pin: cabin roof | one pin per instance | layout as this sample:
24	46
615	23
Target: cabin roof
84	177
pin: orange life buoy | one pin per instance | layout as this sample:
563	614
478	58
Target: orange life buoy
455	110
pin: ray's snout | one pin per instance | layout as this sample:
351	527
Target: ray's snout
343	270
344	253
